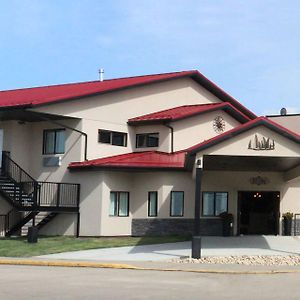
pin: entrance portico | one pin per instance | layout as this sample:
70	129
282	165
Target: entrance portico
258	160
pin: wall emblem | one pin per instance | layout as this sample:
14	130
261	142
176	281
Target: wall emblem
261	144
219	124
258	180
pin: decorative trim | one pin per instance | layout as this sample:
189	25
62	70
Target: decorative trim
262	144
258	180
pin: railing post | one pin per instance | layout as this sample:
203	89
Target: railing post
58	194
78	195
35	193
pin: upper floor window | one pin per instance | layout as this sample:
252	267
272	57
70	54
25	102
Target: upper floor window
54	141
145	140
112	137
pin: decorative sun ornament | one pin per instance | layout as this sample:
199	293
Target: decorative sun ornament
219	124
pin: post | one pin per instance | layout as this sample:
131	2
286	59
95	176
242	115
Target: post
196	241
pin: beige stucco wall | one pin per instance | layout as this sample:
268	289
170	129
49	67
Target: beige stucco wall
238	145
291	122
111	111
62	224
191	131
25	143
138	184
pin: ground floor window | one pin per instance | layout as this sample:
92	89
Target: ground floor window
214	203
177	204
119	204
152	204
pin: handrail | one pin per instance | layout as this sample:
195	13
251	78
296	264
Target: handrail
27	192
5	158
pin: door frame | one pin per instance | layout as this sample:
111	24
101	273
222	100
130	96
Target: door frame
238	228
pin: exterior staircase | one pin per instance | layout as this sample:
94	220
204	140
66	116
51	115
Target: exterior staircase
33	202
40	220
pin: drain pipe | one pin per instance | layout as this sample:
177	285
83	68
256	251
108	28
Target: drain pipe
68	127
172	136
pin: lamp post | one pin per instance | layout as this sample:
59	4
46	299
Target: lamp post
196	240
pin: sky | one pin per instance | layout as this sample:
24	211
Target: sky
250	48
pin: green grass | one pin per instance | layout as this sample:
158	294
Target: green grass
18	247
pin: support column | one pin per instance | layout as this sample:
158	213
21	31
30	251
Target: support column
196	241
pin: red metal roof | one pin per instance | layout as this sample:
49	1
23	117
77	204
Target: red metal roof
146	159
29	97
181	112
48	94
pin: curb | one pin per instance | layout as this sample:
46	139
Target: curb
72	264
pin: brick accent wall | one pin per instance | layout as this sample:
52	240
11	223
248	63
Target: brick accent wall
155	227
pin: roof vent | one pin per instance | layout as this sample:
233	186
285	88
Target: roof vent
283	111
101	74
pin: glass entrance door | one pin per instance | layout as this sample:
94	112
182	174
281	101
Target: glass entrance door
259	212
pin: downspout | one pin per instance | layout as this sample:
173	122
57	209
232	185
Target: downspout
172	136
70	128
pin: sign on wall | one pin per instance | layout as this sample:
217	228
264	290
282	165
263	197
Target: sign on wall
261	143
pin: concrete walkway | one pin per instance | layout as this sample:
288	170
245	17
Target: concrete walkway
211	246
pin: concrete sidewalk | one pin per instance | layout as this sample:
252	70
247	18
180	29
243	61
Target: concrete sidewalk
211	246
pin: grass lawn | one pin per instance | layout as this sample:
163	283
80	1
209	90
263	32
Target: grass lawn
18	247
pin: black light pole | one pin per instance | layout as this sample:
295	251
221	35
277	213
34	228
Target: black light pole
196	240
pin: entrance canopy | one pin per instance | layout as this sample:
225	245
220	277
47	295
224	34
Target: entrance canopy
249	163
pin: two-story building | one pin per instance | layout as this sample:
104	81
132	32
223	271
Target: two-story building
119	157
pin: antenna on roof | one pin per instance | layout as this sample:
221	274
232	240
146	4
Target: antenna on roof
283	111
101	74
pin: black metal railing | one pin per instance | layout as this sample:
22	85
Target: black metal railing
26	192
53	194
25	187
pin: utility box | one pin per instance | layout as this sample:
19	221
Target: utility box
32	236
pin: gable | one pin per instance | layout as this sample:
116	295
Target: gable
258	141
134	102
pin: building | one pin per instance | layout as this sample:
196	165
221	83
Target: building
119	157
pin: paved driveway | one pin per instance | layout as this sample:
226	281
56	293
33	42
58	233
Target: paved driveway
211	246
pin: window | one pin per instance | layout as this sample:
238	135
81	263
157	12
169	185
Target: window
177	204
147	140
152	204
54	141
119	204
112	137
214	203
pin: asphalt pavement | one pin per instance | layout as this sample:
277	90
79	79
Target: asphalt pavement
28	282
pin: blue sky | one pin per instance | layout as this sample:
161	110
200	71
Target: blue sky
249	48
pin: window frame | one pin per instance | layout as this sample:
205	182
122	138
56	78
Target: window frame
55	130
118	204
213	192
111	132
156	208
171	201
147	140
